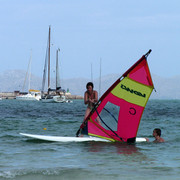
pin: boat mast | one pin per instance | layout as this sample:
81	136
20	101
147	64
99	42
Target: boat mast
29	85
57	72
49	59
100	80
28	73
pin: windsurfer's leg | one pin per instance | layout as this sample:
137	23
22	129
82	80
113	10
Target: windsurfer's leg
98	120
88	110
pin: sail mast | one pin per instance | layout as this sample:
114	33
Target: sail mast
57	71
49	59
100	80
30	71
56	68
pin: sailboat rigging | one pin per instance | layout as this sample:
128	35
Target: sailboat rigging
32	94
121	107
53	95
60	93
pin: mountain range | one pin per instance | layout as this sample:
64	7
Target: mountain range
13	80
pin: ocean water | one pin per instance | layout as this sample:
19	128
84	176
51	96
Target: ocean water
23	158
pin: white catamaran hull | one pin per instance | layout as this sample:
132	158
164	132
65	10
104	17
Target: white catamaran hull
71	139
28	97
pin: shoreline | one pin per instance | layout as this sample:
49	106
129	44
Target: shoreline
12	95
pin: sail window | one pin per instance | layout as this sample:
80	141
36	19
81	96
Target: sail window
109	116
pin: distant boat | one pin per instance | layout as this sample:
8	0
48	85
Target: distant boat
61	99
53	95
33	95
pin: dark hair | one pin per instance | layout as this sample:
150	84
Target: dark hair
89	84
158	131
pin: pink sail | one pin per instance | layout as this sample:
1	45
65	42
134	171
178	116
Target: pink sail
121	107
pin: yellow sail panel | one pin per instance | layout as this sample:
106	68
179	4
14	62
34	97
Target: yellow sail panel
132	91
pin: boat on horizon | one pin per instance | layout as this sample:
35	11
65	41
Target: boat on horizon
32	95
57	94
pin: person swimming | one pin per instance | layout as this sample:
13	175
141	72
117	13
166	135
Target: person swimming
157	135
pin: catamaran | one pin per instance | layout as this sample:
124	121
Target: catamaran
32	95
119	109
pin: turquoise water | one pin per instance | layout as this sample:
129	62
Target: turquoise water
24	158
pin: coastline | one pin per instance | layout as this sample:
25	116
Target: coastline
12	95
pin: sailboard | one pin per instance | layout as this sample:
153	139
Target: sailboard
70	139
121	107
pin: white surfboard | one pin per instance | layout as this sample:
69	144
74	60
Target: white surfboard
71	139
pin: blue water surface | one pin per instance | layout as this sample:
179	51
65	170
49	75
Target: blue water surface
24	158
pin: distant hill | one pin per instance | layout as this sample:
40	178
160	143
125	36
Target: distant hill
14	79
166	88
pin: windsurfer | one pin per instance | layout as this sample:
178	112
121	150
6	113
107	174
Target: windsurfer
90	98
157	135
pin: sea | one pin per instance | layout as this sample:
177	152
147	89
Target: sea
23	158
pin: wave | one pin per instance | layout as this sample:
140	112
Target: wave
47	174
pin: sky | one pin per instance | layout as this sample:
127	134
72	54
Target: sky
116	31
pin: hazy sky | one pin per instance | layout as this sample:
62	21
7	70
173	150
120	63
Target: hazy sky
117	31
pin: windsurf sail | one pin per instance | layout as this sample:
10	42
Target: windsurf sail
121	107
